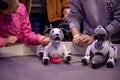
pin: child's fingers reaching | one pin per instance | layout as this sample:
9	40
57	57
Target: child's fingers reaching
46	41
11	39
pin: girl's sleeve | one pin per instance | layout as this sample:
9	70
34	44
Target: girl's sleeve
27	36
2	41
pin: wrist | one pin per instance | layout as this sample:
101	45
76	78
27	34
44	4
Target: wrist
41	39
3	42
76	35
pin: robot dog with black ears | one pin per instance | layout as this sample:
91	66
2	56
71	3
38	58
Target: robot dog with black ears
101	51
55	51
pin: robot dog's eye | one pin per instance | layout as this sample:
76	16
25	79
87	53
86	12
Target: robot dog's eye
52	31
60	31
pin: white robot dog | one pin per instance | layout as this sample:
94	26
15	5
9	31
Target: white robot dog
55	50
101	51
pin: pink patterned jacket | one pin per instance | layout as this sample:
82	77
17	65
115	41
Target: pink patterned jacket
18	25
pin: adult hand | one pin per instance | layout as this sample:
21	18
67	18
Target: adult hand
83	40
65	13
11	40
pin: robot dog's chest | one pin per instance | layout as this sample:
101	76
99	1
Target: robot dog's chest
55	50
103	50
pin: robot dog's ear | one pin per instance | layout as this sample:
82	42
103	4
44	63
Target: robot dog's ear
64	31
47	31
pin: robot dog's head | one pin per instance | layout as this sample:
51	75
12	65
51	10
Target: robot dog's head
101	32
55	34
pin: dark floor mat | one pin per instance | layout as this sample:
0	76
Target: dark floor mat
31	68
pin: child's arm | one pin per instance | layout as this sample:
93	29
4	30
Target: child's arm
2	41
27	36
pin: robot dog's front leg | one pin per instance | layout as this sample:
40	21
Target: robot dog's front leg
46	59
86	59
67	57
112	56
67	54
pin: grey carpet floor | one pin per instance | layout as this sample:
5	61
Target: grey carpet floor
31	68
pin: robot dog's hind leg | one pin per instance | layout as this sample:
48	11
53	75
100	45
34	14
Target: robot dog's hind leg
112	57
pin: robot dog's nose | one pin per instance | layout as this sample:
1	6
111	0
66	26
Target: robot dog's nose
57	34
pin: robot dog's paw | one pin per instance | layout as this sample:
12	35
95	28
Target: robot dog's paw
68	59
110	64
84	61
45	61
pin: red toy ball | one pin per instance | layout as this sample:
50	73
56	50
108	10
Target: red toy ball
56	60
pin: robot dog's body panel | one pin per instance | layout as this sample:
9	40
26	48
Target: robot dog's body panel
51	50
104	50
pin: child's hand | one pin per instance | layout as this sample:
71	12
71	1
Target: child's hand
45	41
11	40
